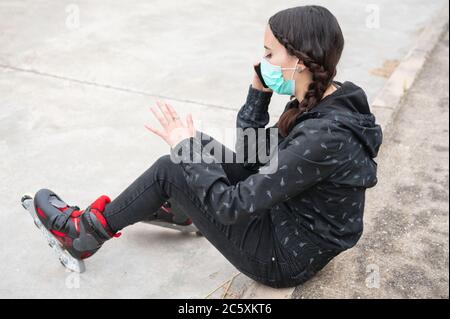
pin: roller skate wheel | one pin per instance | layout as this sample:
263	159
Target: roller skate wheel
24	199
63	260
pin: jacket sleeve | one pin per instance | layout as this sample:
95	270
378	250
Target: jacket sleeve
253	114
311	156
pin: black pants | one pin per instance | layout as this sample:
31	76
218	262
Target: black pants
250	245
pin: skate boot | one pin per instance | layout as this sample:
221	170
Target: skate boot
169	216
80	232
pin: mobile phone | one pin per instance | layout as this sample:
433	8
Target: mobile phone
258	72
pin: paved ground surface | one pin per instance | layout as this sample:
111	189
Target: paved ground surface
404	250
74	99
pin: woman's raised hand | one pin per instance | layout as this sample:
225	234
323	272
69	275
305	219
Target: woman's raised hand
174	130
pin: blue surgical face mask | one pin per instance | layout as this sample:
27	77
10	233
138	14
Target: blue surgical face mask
273	77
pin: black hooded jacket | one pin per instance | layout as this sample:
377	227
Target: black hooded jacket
324	166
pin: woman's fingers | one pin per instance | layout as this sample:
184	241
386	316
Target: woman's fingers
157	132
190	123
165	111
173	113
160	118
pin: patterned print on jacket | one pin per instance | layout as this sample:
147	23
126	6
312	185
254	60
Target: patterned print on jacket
325	165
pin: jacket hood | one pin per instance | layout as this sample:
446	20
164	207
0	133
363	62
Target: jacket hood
349	106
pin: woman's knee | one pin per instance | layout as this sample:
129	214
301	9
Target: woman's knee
166	168
163	160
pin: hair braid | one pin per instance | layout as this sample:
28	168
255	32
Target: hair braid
321	79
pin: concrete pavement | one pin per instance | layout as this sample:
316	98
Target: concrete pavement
403	252
76	78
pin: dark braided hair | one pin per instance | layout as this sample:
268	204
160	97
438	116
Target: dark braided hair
312	34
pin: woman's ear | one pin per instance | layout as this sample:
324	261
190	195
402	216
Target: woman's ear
301	67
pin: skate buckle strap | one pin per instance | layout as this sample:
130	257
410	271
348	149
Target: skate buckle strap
76	213
167	210
105	229
62	218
